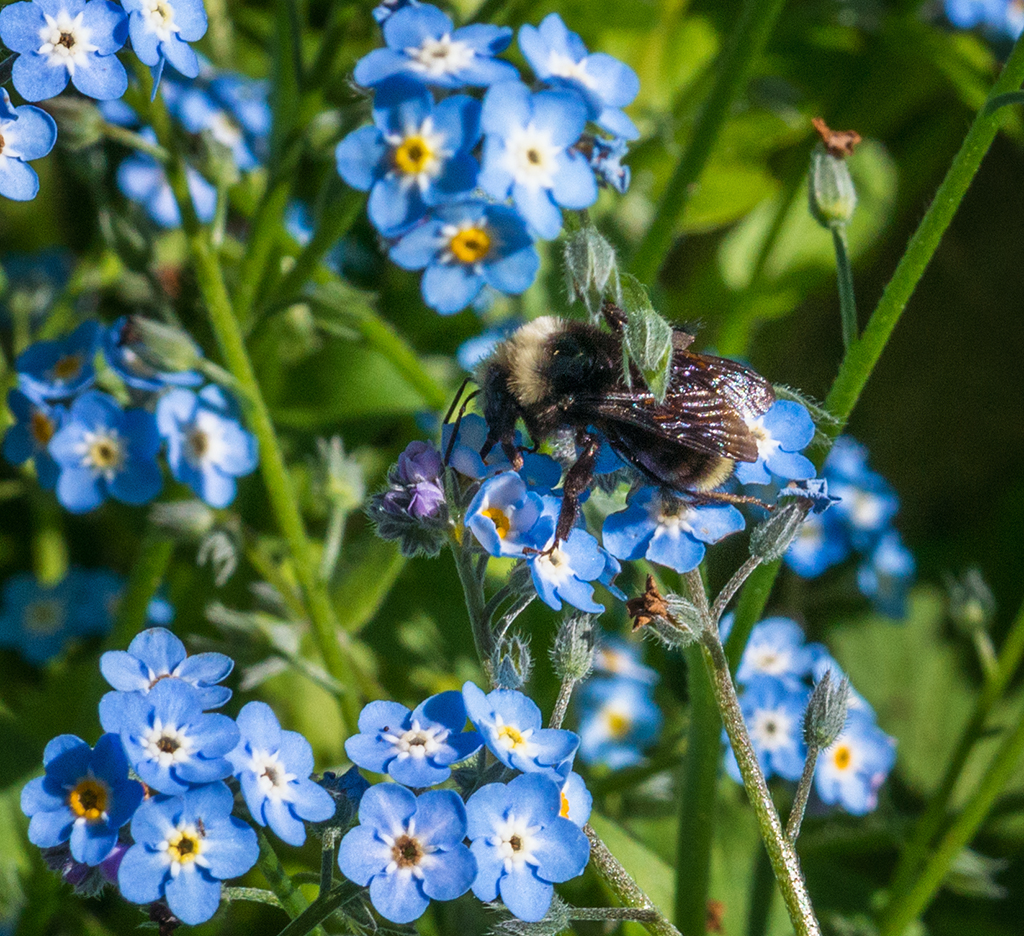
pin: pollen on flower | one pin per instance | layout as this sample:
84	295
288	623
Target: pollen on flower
501	521
470	245
841	757
407	852
413	155
184	847
563	810
618	724
89	799
511	737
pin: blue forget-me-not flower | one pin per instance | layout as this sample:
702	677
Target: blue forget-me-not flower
506	517
273	768
408	849
465	245
161	31
559	58
171	742
29	437
774	714
207	448
105	451
618	721
416	748
416	154
522	844
66	39
422	44
84	797
528	155
667	530
512	728
851	771
184	847
59	369
776	648
781	433
120	351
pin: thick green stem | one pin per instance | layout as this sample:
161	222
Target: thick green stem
901	911
844	275
783	856
278	483
756	21
930	823
146	577
622	885
698	791
864	353
263	235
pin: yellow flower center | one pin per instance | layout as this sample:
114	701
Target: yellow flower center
842	757
513	735
470	245
413	155
501	520
89	799
618	724
564	810
184	846
41	427
105	453
67	367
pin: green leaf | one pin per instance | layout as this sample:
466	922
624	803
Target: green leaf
367	575
647	338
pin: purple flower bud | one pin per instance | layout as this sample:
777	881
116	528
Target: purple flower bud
419	462
427	497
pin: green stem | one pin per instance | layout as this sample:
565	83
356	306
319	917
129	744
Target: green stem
562	703
263	236
749	608
864	353
781	853
146	577
756	21
901	912
252	894
621	883
134	141
292	899
844	274
803	791
473	590
698	793
930	823
762	892
49	547
278	482
597	914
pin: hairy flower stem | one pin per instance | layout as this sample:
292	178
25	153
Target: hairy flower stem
844	276
803	791
476	608
611	913
732	586
292	899
756	21
930	823
621	883
562	702
904	909
283	499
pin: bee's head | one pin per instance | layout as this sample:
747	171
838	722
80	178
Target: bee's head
519	367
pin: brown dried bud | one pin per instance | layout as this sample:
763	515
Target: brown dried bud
839	143
648	607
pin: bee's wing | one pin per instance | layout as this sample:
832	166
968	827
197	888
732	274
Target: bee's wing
705	409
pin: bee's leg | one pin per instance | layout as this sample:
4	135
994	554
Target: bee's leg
577	480
458	420
724	497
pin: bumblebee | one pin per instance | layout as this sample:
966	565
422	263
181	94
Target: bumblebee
558	374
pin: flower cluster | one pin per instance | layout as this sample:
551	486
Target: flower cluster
775	676
618	717
39	621
462	188
183	840
88	447
77	41
524	835
860	522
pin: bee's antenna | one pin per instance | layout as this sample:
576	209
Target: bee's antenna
455	402
458	419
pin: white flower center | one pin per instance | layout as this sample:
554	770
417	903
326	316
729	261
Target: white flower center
410	856
272	777
65	41
204	440
102	452
531	157
673	517
564	67
159	18
514	840
439	57
167	744
771	729
771	661
224	130
766	445
418	154
867	510
418	742
555	567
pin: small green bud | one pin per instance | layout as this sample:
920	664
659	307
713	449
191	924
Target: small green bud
219	549
79	122
187	519
572	653
971	602
159	346
770	540
826	712
832	195
512	662
340	474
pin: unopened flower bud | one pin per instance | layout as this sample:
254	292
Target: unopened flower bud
572	653
971	602
346	790
162	347
188	519
831	192
79	122
512	662
342	475
826	711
